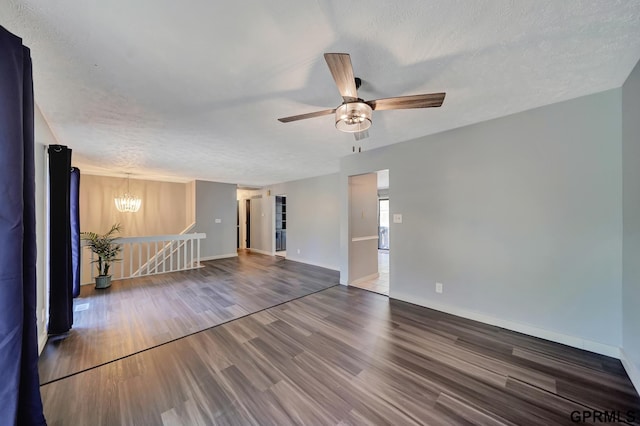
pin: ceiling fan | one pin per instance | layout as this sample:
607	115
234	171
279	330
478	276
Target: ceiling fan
354	114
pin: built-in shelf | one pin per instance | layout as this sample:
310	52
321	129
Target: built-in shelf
281	223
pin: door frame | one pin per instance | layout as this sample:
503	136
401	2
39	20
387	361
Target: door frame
247	223
380	199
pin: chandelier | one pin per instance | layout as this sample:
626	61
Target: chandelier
127	202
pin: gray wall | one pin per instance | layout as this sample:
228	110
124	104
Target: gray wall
631	223
216	201
312	220
519	217
261	224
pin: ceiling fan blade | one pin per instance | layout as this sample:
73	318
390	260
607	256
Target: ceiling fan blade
431	100
305	116
342	72
361	135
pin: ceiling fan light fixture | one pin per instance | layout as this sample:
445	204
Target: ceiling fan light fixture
353	117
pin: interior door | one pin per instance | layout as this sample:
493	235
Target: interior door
247	209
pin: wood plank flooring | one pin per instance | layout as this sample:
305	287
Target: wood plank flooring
345	356
138	314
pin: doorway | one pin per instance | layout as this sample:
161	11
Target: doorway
377	196
281	225
382	283
383	224
247	235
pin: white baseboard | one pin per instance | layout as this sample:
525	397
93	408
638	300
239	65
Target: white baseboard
42	341
320	265
268	253
554	336
219	256
632	370
367	278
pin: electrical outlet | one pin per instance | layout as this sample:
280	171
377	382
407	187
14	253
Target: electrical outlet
439	287
218	220
298	251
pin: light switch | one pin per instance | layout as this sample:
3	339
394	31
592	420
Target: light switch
397	218
218	220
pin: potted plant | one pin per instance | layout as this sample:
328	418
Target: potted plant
106	250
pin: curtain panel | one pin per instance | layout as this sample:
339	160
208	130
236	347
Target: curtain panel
74	199
60	254
20	402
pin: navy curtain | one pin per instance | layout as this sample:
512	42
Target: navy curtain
74	205
60	259
20	401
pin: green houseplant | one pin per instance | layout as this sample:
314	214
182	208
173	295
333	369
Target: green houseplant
107	250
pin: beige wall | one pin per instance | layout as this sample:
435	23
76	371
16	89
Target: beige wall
43	138
190	202
165	208
163	211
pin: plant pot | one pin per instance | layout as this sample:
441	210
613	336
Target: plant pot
103	281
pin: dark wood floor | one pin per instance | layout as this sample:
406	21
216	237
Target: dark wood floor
141	313
344	356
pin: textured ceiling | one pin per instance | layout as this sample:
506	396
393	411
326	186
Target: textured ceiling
193	89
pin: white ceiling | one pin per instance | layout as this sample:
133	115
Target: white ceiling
193	89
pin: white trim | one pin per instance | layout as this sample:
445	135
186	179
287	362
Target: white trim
188	228
367	278
42	341
333	268
554	336
219	256
160	254
261	251
160	238
370	237
202	259
632	370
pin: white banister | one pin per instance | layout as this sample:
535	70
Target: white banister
170	253
171	257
